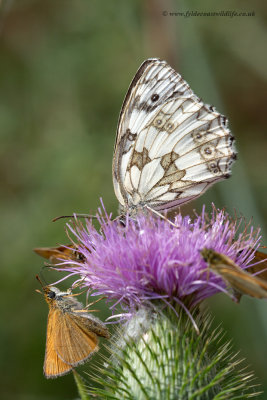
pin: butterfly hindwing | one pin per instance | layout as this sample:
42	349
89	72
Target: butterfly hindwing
73	344
170	146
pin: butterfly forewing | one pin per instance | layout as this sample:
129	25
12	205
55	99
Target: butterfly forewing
60	253
261	268
238	279
53	365
170	147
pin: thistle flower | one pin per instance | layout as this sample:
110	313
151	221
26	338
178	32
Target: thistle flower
145	266
150	259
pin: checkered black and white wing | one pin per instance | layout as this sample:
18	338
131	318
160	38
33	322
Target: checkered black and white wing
170	146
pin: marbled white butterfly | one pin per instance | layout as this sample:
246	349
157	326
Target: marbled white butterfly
170	146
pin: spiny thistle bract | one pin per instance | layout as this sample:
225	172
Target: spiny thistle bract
171	361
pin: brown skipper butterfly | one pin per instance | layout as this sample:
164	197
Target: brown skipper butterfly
241	281
72	333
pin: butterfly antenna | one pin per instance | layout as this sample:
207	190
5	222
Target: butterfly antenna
41	277
40	281
74	216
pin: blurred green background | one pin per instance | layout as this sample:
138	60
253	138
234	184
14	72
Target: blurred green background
65	66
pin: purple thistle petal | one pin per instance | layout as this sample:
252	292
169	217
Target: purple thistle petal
150	259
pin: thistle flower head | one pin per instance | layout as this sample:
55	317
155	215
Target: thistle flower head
149	259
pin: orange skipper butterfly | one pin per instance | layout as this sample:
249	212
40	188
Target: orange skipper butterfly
72	333
241	281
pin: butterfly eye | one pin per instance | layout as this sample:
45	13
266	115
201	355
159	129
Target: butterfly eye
51	294
154	97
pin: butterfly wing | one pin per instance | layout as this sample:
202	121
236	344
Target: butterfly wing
261	268
53	364
57	254
74	343
88	322
170	146
242	281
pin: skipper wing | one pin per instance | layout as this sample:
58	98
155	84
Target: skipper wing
74	342
54	366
